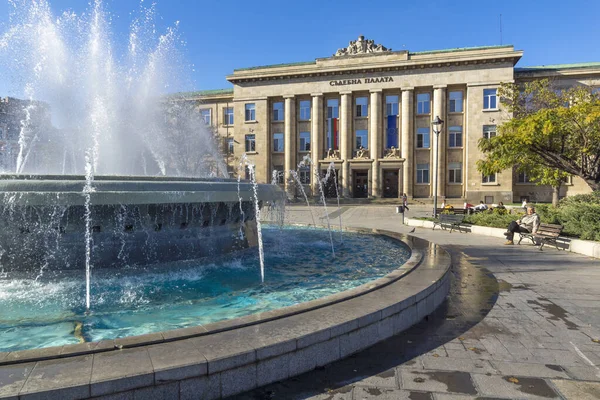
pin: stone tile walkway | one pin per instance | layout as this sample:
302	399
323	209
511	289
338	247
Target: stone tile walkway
518	324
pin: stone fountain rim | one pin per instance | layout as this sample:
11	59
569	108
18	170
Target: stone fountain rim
71	350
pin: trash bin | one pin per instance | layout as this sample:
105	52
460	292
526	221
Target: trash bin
399	209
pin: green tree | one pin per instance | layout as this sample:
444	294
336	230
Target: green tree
552	134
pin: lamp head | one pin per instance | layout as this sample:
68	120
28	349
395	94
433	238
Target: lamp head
437	122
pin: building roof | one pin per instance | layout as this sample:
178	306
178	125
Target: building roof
198	93
276	65
457	49
556	67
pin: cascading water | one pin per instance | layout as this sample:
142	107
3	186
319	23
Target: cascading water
245	163
95	106
337	195
261	252
85	91
325	179
306	162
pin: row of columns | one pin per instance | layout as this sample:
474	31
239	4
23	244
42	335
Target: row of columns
375	139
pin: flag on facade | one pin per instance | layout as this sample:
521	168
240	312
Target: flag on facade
392	132
333	134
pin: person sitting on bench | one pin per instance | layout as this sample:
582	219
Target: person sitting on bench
529	223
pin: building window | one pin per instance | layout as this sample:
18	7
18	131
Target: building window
455	136
455	102
523	178
250	143
250	112
489	99
423	138
304	110
205	113
247	174
278	142
362	107
228	116
391	105
230	145
333	113
278	111
489	131
455	172
362	139
488	178
423	103
423	173
278	174
304	175
304	141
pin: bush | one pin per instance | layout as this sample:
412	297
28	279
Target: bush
581	219
492	218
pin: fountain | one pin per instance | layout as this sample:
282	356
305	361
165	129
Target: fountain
121	232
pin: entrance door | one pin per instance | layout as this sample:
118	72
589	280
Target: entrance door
329	186
361	184
390	184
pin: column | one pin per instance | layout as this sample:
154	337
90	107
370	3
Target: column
439	148
316	136
289	142
346	140
375	136
400	183
407	142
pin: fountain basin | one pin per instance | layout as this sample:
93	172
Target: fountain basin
133	219
228	357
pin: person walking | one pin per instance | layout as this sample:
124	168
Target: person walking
405	201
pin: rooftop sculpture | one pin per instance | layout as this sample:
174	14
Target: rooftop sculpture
361	46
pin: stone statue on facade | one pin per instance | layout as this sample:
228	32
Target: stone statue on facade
362	153
333	154
392	152
361	46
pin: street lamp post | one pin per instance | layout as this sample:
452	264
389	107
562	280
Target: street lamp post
437	128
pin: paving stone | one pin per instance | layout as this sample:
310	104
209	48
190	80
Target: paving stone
529	369
572	390
52	375
524	388
386	379
584	373
344	393
13	377
464	365
378	393
437	381
176	361
122	370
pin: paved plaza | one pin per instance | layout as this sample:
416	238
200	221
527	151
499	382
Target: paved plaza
518	324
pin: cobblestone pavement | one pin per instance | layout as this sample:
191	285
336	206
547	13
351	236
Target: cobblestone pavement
518	324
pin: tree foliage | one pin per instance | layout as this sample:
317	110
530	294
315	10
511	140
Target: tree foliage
552	134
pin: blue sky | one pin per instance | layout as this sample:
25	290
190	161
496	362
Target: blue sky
223	35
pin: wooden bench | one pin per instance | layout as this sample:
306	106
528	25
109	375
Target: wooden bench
451	220
546	233
457	211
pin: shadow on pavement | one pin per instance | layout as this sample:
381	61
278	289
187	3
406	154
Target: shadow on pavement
473	293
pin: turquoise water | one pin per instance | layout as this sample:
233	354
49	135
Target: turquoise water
49	310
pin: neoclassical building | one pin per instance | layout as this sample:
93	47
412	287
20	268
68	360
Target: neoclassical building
367	113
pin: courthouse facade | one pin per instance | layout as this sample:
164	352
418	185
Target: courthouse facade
367	113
